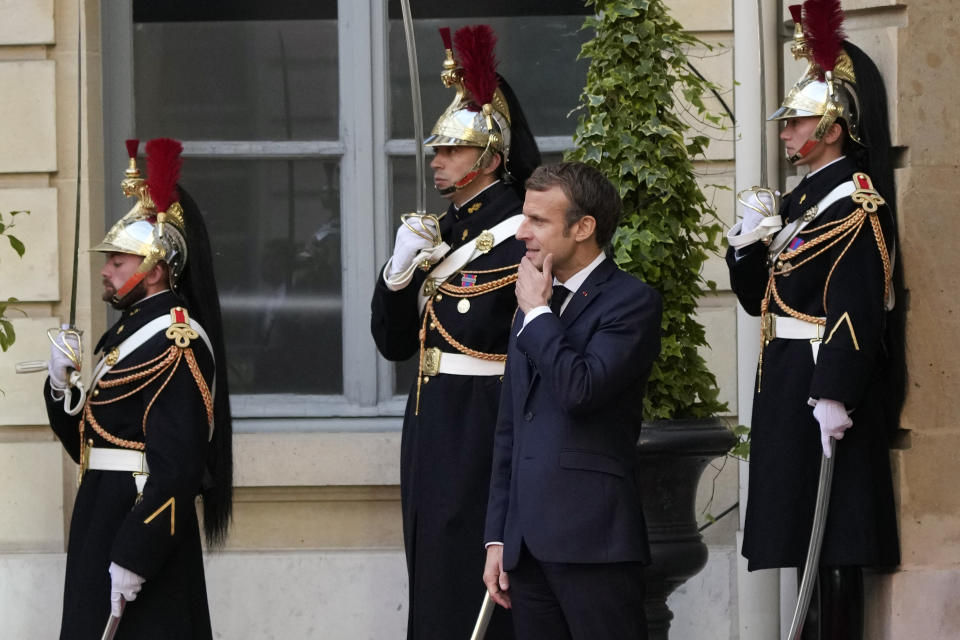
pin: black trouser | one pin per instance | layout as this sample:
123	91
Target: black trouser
567	601
836	608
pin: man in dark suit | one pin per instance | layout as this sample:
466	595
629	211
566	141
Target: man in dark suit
564	519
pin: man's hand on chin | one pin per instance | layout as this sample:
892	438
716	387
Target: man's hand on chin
498	584
534	287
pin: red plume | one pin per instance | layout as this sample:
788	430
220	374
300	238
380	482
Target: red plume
445	36
796	12
823	31
133	145
475	53
163	171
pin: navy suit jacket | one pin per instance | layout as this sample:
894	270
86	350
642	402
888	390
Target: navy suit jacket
564	477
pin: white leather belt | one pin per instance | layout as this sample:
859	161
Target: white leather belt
775	326
459	364
107	459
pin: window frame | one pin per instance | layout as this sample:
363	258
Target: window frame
368	401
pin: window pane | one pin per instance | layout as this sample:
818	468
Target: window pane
537	57
236	80
275	230
403	173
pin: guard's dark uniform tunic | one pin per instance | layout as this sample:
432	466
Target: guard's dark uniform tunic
447	449
153	398
835	270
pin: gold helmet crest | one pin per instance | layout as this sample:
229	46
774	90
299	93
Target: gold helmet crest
479	115
154	227
828	86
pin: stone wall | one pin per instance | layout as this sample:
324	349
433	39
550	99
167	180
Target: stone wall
919	600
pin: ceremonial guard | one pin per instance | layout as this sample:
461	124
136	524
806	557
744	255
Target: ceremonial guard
447	293
151	427
823	273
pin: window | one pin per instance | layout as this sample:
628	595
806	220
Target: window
297	128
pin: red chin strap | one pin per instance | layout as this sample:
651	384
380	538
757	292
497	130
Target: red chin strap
459	184
467	179
129	286
804	150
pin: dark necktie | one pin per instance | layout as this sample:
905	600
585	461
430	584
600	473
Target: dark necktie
559	295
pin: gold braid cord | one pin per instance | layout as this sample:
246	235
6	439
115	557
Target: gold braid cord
846	229
201	383
462	348
143	375
833	233
460	292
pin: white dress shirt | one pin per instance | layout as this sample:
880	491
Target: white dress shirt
572	285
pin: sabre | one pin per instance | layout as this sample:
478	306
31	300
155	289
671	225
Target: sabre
76	217
483	620
816	539
113	622
34	366
415	100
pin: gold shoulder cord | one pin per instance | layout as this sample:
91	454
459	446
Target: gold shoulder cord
835	232
434	323
147	372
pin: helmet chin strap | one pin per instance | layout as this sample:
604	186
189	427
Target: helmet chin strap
467	178
459	184
135	279
802	153
126	289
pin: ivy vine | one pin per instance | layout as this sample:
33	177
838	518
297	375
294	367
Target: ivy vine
7	334
630	130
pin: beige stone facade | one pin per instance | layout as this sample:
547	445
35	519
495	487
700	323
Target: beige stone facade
321	509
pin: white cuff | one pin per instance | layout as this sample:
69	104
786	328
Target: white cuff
396	283
767	227
401	279
533	313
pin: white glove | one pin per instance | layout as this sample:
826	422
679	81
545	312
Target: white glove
409	243
125	583
64	357
834	420
754	205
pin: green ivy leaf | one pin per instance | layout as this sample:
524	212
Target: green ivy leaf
7	334
16	245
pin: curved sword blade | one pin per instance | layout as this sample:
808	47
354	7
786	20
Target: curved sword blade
816	539
417	104
76	216
113	622
483	620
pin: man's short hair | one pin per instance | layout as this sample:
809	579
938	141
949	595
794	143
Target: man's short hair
588	191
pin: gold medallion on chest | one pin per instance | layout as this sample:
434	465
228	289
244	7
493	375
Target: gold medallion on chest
484	242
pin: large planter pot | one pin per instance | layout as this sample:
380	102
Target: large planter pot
673	455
